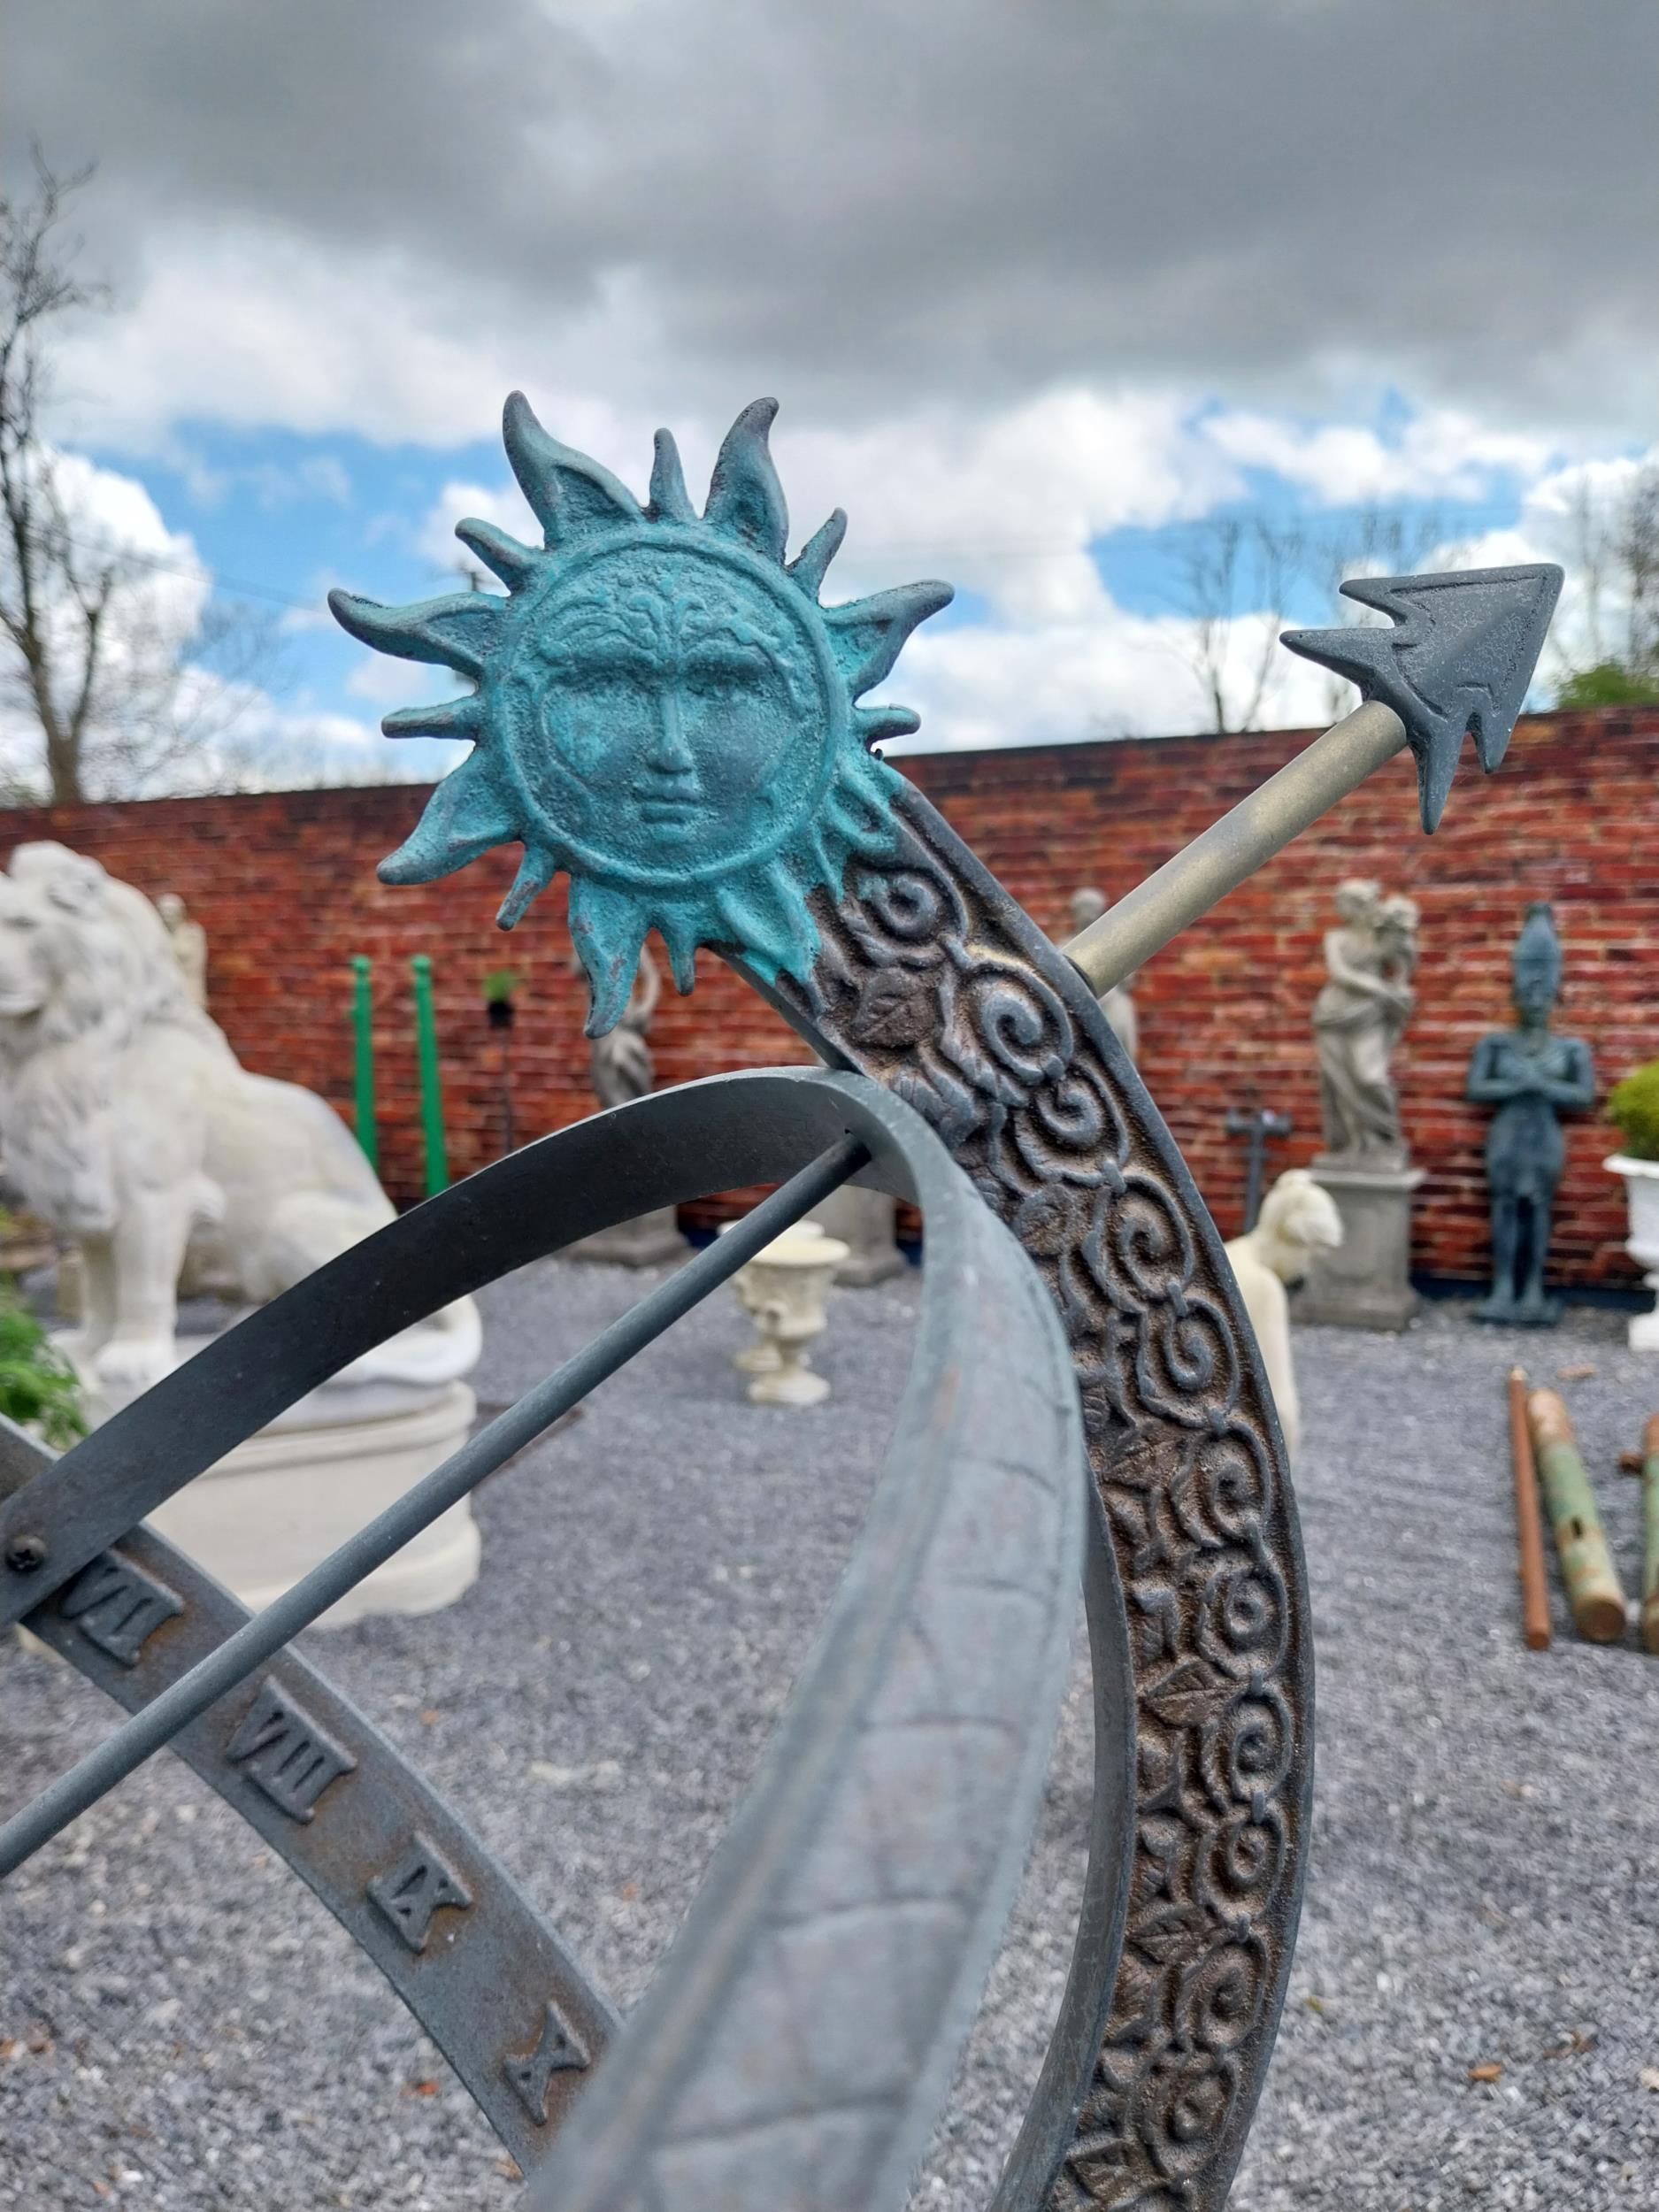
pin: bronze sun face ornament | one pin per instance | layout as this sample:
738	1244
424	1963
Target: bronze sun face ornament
662	706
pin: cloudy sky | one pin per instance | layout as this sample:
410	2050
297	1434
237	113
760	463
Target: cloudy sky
1045	288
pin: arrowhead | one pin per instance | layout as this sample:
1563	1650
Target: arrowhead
1457	659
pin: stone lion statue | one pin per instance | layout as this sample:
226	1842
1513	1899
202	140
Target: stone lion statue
128	1125
1298	1219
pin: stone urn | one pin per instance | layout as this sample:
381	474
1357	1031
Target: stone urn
1641	1194
784	1289
762	1356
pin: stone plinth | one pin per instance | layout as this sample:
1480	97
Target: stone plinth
272	1509
651	1240
862	1221
1641	1192
1365	1283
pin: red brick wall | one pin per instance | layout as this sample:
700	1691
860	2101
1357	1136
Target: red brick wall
285	885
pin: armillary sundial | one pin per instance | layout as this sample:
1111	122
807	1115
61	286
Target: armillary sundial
662	707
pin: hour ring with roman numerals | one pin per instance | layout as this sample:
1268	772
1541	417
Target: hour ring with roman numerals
851	1912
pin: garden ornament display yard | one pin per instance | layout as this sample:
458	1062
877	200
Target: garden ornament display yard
663	705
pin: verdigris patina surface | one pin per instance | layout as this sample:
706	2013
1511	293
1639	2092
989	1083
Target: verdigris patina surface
661	707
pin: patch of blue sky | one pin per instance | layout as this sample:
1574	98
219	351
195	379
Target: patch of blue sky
278	516
1148	569
966	609
287	512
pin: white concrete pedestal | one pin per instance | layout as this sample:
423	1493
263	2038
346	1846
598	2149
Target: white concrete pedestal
652	1240
270	1511
1641	1192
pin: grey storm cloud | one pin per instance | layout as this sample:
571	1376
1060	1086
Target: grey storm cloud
961	199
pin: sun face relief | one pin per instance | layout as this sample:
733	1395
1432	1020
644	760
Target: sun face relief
668	708
663	708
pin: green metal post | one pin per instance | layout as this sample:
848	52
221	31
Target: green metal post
1650	1534
1594	1590
363	1032
430	1093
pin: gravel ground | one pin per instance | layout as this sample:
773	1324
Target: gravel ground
181	2026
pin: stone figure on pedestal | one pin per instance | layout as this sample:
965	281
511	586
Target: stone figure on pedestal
132	1131
621	1069
1370	960
1118	1005
1357	1019
188	941
620	1064
1532	1077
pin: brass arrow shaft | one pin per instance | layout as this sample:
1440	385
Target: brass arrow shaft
1219	860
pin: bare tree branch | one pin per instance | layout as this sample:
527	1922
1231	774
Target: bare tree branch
1616	549
1239	576
1376	541
1236	576
123	696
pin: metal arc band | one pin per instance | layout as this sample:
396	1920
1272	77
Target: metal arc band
722	1135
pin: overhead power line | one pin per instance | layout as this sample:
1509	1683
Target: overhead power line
240	588
1460	516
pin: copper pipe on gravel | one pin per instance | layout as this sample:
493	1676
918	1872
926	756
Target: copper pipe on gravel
1534	1595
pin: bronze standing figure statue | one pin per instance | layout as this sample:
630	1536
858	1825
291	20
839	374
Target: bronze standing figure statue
1532	1077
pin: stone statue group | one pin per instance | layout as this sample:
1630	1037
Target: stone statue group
1530	1074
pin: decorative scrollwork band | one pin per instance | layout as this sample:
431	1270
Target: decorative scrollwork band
931	980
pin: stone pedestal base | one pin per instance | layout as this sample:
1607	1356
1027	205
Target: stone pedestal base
863	1220
781	1385
1366	1282
271	1509
1641	1193
652	1241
